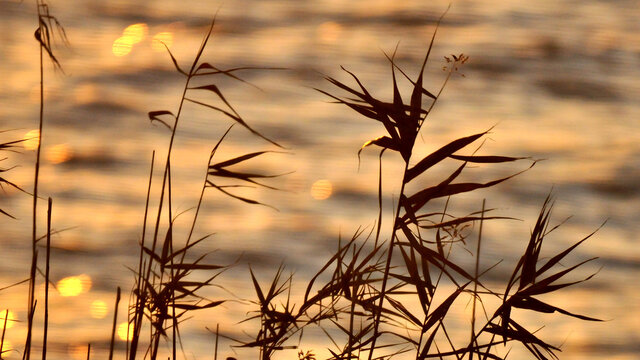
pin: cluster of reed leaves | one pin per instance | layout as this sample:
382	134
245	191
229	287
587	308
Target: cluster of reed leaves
165	290
369	290
376	297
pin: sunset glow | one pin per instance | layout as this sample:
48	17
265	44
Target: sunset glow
370	171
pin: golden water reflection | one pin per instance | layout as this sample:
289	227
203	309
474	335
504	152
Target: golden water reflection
31	140
329	32
74	285
7	348
159	39
122	46
125	332
135	33
58	154
321	189
11	318
131	35
77	351
98	309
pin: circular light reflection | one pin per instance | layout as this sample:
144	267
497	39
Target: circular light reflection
98	309
135	32
122	46
78	352
11	318
125	332
159	39
31	140
329	32
74	285
59	153
7	348
321	189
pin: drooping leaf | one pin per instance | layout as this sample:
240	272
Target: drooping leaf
486	159
238	159
155	116
173	59
237	119
198	307
528	302
384	142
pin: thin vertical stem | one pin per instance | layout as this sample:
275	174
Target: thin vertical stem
139	285
32	311
32	275
171	274
4	329
387	267
88	351
215	354
475	283
144	223
46	283
113	328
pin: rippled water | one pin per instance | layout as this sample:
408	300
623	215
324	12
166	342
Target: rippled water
558	79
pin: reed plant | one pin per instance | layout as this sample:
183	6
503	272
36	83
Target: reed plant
379	295
370	289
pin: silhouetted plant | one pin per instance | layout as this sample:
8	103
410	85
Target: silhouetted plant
163	292
424	238
376	297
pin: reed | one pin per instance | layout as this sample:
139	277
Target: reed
370	286
377	296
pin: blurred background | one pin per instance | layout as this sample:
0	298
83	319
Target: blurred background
557	79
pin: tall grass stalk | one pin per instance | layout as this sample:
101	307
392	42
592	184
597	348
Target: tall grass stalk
46	283
44	35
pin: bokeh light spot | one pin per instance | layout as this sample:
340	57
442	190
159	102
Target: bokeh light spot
125	332
7	348
159	38
31	140
78	352
122	46
329	32
74	285
321	189
86	93
98	309
11	318
136	32
59	153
